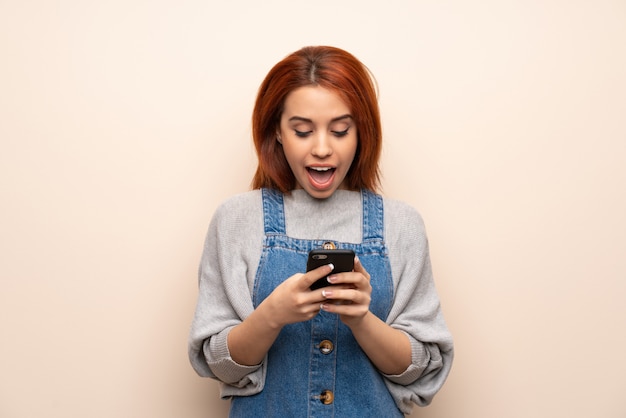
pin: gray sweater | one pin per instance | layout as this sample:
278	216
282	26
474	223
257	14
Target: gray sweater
232	251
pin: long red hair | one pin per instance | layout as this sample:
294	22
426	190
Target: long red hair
336	70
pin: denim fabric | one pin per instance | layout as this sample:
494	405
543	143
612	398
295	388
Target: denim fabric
299	369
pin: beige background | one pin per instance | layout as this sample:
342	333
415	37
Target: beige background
124	123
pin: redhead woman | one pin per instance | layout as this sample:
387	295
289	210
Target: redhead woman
372	343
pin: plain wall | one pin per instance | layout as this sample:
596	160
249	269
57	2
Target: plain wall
123	124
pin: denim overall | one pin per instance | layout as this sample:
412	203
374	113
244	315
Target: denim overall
316	368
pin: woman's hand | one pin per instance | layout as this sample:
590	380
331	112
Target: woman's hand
292	301
350	295
388	348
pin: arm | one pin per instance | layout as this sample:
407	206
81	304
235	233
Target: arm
226	273
416	309
290	302
388	348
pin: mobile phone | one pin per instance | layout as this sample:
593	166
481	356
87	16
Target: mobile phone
342	260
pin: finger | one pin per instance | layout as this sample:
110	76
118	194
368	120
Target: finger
312	276
358	276
348	279
344	308
339	294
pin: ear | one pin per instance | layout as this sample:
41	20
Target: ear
279	139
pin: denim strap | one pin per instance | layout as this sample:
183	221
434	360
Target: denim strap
373	223
273	212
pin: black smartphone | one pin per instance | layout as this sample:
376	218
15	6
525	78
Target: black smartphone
342	260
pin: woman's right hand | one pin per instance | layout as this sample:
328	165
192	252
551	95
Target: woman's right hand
293	301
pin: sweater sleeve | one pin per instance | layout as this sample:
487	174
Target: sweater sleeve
225	270
416	310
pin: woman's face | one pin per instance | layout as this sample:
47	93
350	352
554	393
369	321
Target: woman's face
319	138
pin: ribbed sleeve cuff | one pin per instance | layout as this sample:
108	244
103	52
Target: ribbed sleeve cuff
225	368
419	361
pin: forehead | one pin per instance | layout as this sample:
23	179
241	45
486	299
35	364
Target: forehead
314	102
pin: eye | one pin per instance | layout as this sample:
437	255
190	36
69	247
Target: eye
339	134
302	134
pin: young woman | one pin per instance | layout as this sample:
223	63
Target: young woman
374	342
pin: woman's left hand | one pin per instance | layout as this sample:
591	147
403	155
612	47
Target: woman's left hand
349	297
350	294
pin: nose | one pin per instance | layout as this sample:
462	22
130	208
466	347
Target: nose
322	146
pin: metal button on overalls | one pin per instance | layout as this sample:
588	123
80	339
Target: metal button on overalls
326	347
327	397
329	245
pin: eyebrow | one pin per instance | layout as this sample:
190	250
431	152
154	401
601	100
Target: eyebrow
301	119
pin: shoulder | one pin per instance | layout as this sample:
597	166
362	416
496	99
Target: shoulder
238	214
403	223
240	204
399	211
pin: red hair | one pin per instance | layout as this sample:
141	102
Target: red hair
333	69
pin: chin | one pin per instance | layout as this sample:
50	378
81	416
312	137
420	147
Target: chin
321	194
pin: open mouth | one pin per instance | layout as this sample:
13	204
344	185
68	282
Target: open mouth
321	176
